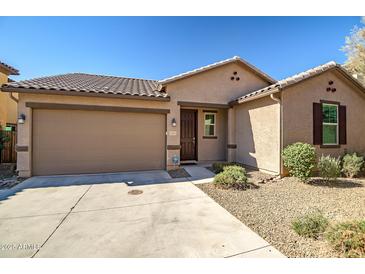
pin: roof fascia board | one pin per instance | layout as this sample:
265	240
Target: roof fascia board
9	69
264	94
89	94
338	68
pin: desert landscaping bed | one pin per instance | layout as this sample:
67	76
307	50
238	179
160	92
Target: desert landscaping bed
270	209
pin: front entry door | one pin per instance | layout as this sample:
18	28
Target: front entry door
188	134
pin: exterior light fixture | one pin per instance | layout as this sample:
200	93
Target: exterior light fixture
21	118
173	122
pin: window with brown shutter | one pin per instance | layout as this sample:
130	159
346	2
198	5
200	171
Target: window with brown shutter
317	123
342	125
329	124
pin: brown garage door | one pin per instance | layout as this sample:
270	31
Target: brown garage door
79	141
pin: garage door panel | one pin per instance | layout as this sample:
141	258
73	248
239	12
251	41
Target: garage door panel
78	141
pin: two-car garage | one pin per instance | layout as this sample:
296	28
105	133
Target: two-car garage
75	141
79	123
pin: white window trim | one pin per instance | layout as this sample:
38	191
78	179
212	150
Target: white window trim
332	124
215	121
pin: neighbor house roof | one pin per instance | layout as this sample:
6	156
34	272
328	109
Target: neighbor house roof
297	78
218	64
9	69
89	84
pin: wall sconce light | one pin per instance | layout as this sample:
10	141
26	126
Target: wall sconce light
173	122
21	118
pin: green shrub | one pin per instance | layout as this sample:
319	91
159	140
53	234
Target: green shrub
231	177
311	225
299	159
329	167
219	166
352	165
348	238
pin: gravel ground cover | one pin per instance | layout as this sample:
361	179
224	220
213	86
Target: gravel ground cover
270	209
8	178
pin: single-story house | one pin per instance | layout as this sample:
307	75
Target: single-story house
227	111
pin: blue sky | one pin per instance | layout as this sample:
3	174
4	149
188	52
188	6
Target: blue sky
158	47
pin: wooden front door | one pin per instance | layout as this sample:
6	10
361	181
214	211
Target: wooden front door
188	134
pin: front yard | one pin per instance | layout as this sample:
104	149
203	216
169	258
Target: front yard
270	209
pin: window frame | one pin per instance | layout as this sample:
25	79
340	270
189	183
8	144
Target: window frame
12	126
214	124
337	124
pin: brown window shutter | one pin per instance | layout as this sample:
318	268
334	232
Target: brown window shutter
342	125
317	123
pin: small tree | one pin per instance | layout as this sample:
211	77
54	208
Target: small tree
299	159
355	51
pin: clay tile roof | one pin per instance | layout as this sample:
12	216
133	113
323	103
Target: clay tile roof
293	80
10	69
89	83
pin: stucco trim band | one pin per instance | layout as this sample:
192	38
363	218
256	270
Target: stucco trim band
173	147
21	148
232	146
89	94
201	104
94	107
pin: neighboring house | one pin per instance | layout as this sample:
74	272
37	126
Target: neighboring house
8	116
8	106
227	111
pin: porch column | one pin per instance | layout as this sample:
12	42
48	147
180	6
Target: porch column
231	140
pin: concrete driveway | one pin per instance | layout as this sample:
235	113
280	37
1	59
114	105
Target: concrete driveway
174	219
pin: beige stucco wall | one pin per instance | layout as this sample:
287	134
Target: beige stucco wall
298	111
212	86
212	149
8	107
12	109
258	134
215	85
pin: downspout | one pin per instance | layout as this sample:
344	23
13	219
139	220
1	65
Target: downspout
279	101
13	97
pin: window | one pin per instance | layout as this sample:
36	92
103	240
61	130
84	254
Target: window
209	124
10	127
330	124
